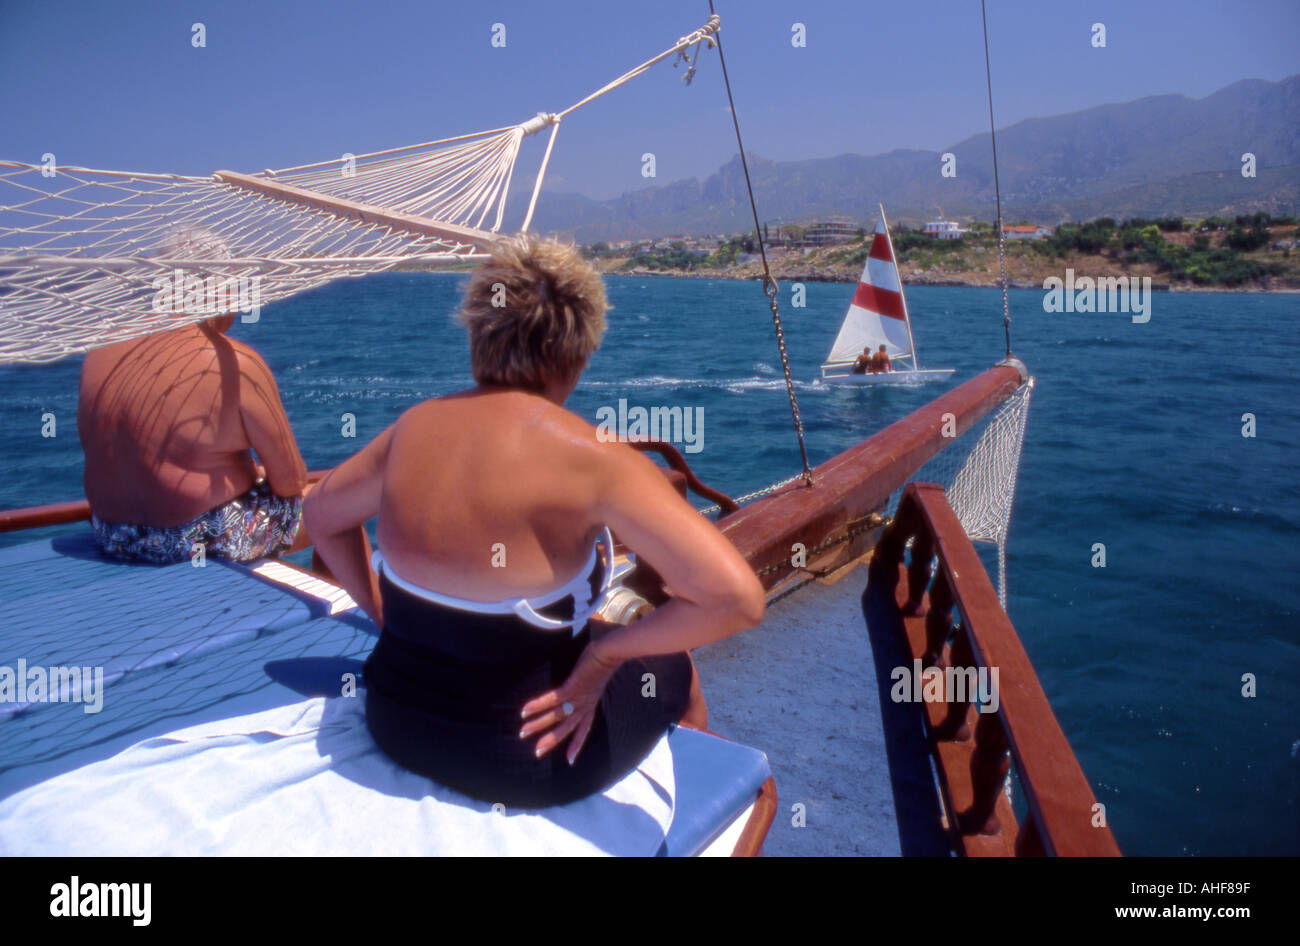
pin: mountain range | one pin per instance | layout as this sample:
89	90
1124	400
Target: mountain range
1164	154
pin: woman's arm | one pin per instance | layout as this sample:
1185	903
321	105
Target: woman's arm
335	513
714	594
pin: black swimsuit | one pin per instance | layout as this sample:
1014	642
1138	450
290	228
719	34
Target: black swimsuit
445	686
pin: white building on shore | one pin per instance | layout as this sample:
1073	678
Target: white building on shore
942	229
1025	231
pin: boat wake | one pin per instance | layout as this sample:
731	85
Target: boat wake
730	385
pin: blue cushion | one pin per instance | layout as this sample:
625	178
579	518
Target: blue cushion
181	646
716	781
67	605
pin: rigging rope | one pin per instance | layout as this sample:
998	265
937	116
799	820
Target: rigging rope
997	189
769	284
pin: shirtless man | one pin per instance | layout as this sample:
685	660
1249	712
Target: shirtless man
167	423
880	362
864	361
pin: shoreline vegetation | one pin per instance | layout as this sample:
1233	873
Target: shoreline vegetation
1252	253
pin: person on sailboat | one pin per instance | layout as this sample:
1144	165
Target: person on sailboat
877	311
168	425
494	507
880	363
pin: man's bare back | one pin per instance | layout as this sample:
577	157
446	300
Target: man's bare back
167	422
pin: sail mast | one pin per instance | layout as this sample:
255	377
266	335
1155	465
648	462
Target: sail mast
907	319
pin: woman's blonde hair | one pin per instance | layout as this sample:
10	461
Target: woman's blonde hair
535	310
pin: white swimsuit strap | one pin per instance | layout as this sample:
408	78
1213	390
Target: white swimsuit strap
580	588
526	608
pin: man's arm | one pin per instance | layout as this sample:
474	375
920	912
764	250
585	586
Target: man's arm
335	513
267	426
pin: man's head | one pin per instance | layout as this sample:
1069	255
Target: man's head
187	241
535	311
191	242
882	349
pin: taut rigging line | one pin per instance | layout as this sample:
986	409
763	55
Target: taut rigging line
769	284
997	189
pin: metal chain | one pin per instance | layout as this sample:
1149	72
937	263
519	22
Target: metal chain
756	494
769	284
865	524
770	290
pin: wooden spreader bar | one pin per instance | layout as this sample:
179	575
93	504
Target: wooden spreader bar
366	213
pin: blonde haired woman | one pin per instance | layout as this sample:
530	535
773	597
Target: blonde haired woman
494	504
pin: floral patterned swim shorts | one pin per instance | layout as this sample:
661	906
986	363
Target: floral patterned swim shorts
252	525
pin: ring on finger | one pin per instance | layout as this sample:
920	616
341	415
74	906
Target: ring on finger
567	708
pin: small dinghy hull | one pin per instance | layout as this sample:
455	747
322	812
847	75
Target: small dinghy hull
922	376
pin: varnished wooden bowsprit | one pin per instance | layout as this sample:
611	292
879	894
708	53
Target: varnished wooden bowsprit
973	750
850	487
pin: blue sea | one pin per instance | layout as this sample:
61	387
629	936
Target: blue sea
1134	440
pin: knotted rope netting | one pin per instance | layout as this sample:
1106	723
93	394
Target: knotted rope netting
89	257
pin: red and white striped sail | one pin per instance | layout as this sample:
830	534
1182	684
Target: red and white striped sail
877	315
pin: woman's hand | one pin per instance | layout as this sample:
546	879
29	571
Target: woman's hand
570	709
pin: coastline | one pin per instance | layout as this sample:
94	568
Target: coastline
1179	261
1174	260
911	280
737	274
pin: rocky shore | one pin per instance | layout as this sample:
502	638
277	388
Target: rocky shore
1024	271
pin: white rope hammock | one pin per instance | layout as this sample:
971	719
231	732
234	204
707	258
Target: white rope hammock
90	257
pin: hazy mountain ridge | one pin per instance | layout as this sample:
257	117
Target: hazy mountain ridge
1163	154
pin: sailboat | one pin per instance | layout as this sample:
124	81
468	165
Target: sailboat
878	316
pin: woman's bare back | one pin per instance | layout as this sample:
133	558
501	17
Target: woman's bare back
488	495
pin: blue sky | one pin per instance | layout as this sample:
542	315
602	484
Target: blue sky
119	85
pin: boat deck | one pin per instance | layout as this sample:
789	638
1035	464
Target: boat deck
810	687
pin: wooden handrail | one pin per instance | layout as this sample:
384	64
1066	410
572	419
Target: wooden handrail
973	766
77	510
673	457
849	487
52	514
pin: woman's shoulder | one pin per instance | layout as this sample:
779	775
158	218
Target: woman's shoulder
508	414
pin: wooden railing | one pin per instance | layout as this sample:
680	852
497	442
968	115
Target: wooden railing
77	510
972	749
677	464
